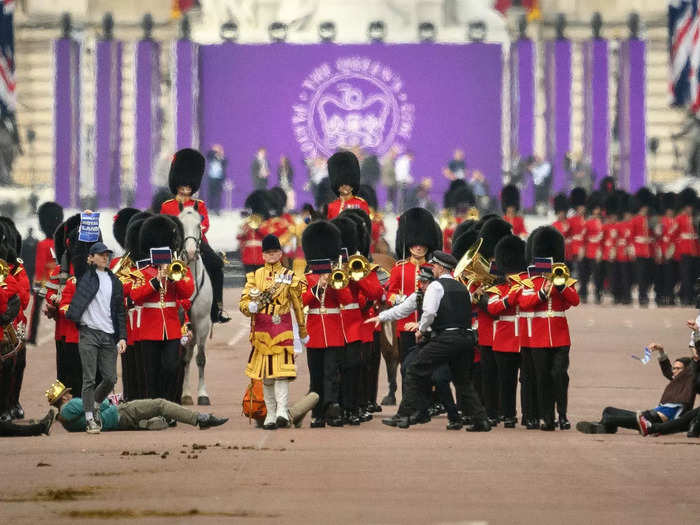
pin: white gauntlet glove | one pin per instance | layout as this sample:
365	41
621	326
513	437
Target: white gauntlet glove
305	339
253	307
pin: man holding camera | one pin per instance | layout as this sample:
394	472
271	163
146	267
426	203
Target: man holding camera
96	304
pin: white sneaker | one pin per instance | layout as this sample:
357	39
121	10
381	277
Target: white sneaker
93	427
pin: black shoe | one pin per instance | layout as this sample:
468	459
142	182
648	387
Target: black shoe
564	424
510	422
365	416
493	422
270	426
548	426
455	425
351	419
210	420
396	421
466	420
419	418
694	430
5	417
373	408
532	424
221	317
17	412
282	422
589	427
318	422
335	421
482	425
389	400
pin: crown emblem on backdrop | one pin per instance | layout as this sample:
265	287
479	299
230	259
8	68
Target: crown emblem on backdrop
55	391
353	119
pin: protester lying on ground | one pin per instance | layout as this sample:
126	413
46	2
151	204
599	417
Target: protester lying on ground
142	414
31	428
677	398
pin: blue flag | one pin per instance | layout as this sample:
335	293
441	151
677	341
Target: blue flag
89	227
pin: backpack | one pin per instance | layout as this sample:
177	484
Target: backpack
254	401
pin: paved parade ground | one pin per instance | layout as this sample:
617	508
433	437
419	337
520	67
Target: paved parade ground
371	473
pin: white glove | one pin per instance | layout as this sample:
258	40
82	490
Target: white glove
305	339
253	307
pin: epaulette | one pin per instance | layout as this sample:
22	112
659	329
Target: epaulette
17	270
401	262
495	289
165	202
570	281
527	283
72	279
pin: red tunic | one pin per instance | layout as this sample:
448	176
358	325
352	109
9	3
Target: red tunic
44	261
518	224
336	207
686	243
65	330
624	251
593	238
323	323
173	207
378	231
503	306
609	241
156	321
564	228
402	282
544	322
24	291
351	308
668	239
575	247
641	237
371	292
483	323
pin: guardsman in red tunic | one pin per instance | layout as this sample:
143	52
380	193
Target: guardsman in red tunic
157	321
592	250
417	236
624	254
9	308
344	176
686	245
502	303
575	248
610	238
510	203
666	248
643	241
542	308
254	229
561	208
50	216
184	179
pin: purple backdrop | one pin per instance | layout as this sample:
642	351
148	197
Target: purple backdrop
596	137
108	124
522	108
558	108
186	83
67	122
300	100
631	121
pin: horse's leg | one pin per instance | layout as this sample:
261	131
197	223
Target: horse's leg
186	392
202	394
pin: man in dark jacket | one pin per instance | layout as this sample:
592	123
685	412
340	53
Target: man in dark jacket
96	304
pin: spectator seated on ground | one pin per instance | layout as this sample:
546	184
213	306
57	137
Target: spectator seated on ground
678	398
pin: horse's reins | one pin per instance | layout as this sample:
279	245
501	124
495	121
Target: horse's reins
199	285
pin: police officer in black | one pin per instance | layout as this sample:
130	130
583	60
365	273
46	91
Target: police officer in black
444	330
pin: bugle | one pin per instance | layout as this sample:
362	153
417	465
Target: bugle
339	277
358	267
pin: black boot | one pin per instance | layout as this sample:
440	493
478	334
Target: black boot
482	425
694	430
17	412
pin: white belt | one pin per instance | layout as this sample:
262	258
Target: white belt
252	243
597	238
543	313
168	304
51	286
642	240
510	319
324	310
351	306
577	237
688	236
138	316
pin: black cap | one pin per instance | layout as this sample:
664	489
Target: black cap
426	272
444	259
99	247
271	242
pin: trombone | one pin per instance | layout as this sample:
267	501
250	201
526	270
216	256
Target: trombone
339	277
358	267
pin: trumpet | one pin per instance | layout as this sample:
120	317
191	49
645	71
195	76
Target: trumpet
339	277
358	267
4	270
560	274
177	270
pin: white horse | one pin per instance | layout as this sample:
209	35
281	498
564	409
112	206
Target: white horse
200	311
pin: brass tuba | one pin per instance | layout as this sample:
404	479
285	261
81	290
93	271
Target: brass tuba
358	267
177	270
339	277
4	270
121	269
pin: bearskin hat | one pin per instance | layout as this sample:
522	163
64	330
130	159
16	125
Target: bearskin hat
343	168
578	197
594	200
321	240
131	239
159	231
278	198
462	227
258	203
161	195
510	255
13	238
607	184
186	169
50	216
528	244
60	236
447	198
368	193
121	221
417	227
464	239
349	236
364	227
547	241
462	198
510	197
9	240
645	197
687	197
668	201
561	203
492	231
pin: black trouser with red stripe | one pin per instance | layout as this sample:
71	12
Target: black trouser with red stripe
215	269
551	375
489	382
323	376
162	361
